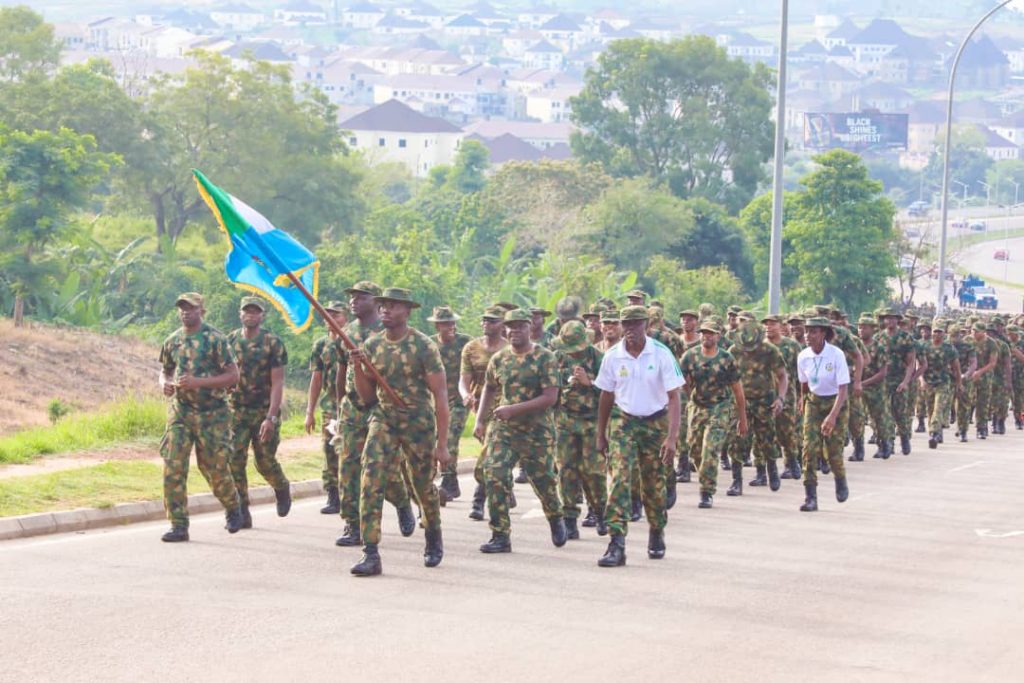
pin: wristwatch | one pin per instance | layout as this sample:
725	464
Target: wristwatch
274	419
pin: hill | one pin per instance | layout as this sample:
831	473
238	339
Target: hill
40	363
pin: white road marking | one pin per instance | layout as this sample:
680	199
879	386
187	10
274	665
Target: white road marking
965	467
533	513
988	533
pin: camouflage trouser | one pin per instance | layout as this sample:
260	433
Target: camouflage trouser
908	417
1018	395
210	431
760	433
876	405
1000	400
899	408
353	427
580	465
941	396
710	429
923	402
534	453
635	441
681	450
456	425
965	399
787	428
816	446
245	429
398	441
329	475
982	400
858	415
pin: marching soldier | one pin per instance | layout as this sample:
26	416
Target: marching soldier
875	398
323	367
964	398
787	424
988	357
902	366
450	342
939	381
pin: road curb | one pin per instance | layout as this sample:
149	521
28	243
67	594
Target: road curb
84	519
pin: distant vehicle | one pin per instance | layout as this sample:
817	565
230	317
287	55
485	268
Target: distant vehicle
918	209
960	224
978	226
908	263
912	232
985	297
1001	255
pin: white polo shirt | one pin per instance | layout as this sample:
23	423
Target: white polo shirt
823	372
640	384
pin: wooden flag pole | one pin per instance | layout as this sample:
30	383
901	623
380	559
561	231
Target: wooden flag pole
340	333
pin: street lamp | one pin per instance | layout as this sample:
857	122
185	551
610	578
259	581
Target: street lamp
988	192
965	185
940	303
775	251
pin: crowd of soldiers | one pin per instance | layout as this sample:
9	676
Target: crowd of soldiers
608	407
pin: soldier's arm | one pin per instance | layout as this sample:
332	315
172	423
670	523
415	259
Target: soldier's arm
878	377
957	375
316	382
908	376
438	385
741	407
782	382
228	377
465	380
276	391
604	411
366	386
547	398
858	370
922	366
339	382
483	410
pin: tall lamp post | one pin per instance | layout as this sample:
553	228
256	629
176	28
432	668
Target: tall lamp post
775	252
940	302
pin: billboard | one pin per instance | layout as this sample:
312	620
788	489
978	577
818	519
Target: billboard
856	132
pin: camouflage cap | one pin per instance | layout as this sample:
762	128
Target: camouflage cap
706	309
711	326
568	307
443	314
979	327
573	337
534	310
607	303
493	313
938	328
1013	329
610	316
866	319
517	316
751	334
770	319
925	322
689	312
655	314
888	312
336	307
594	311
822	309
365	287
637	294
397	294
818	321
795	318
838	312
999	320
191	298
633	313
745	315
655	303
910	315
505	305
733	310
252	301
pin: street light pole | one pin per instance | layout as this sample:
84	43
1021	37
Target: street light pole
940	301
988	193
775	252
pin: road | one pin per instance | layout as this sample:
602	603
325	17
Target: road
918	577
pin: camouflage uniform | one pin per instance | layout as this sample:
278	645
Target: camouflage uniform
758	361
1017	398
876	398
324	358
848	344
858	411
712	411
938	383
451	356
674	344
250	402
788	423
196	416
353	426
475	359
517	378
1000	389
816	446
400	438
987	350
966	395
898	345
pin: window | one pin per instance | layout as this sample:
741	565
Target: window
352	141
401	143
380	142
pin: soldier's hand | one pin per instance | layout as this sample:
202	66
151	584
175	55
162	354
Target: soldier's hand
901	387
441	455
266	431
479	431
168	388
503	413
668	452
356	356
741	427
858	388
602	444
778	405
828	426
310	423
188	382
581	376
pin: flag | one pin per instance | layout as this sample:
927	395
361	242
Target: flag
261	256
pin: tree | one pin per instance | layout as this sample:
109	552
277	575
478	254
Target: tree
841	231
27	45
968	164
44	176
1001	176
467	174
715	239
680	288
756	224
682	113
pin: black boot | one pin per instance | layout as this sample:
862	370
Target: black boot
938	434
670	493
982	433
177	534
905	445
933	440
963	436
858	450
872	441
762	477
842	490
773	475
284	500
571	532
615	555
638	510
433	552
450	486
796	469
726	463
787	469
683	471
499	543
477	512
811	499
369	564
333	506
591	519
825	467
521	478
602	524
233	519
406	520
1018	423
349	536
246	516
656	544
705	500
737	483
921	429
559	534
1002	426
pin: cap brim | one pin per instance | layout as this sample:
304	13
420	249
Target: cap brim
575	349
432	319
382	299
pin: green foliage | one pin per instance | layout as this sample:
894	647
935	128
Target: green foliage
681	113
968	164
679	288
56	409
756	224
28	48
467	174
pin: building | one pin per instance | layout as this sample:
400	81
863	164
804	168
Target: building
465	25
744	46
883	97
536	16
543	55
543	136
301	13
394	132
828	80
550	106
363	16
997	147
395	25
983	66
874	42
912	62
237	17
562	31
841	34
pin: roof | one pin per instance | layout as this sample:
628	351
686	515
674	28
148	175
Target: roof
423	9
543	46
994	139
982	53
303	6
881	89
926	112
395	117
840	51
978	109
395	21
811	48
508	147
1014	120
266	52
527	130
914	48
423	42
880	32
844	31
235	8
560	23
828	72
465	21
745	39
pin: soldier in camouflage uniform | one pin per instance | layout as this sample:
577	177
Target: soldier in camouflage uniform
256	406
580	466
659	332
592	320
988	357
875	398
1016	340
525	376
923	400
824	382
640	377
716	399
450	343
611	330
965	394
689	337
765	384
354	423
198	368
786	423
940	380
902	366
475	357
412	434
538	334
323	367
1002	377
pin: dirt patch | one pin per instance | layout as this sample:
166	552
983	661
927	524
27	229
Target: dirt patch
39	363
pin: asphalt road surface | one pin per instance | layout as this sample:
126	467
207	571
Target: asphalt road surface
919	576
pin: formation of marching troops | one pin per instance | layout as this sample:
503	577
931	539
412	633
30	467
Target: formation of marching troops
608	407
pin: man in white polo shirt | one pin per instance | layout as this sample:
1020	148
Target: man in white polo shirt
824	381
641	377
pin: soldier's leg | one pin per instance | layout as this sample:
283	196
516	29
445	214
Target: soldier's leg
569	456
858	415
175	449
650	436
213	451
706	459
622	463
721	421
329	475
417	436
785	430
593	468
1001	407
964	406
1018	399
922	404
456	426
265	455
900	412
982	408
242	435
835	442
381	455
537	458
682	450
814	446
497	472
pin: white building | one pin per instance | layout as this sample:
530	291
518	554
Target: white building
394	25
543	55
363	15
237	17
550	106
394	132
301	13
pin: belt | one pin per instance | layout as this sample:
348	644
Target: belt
646	418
